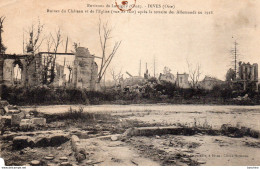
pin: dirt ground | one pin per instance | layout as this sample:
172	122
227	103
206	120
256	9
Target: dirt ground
97	137
214	115
200	150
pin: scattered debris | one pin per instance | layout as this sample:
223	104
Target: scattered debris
35	163
65	164
64	158
49	157
114	138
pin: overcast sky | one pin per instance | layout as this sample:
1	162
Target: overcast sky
170	39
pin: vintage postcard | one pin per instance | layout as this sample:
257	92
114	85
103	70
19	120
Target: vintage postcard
130	83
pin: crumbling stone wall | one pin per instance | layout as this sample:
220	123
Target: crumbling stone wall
84	73
33	72
60	77
7	74
182	80
85	70
8	71
248	72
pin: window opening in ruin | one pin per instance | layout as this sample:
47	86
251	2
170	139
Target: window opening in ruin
17	72
68	73
246	78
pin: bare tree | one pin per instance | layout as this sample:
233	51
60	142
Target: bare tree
47	60
116	76
2	47
35	38
33	44
75	46
104	35
230	75
57	41
194	74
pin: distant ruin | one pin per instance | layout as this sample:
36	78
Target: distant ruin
248	73
182	80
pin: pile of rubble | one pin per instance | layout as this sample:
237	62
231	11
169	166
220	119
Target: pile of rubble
12	116
27	133
242	98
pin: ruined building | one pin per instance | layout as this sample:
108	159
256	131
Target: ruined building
208	83
85	70
182	80
168	77
21	70
8	63
248	74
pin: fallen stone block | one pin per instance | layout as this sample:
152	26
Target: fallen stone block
150	131
12	107
25	121
82	134
6	120
8	136
129	132
41	142
35	163
64	158
16	118
39	121
49	157
26	124
79	148
2	111
245	130
6	109
14	111
65	164
114	138
74	140
4	103
20	142
254	133
80	153
80	157
58	139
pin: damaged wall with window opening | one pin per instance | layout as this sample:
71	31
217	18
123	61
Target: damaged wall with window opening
83	72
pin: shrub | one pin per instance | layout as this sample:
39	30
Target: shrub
49	95
166	88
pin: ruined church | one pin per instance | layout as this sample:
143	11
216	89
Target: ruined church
19	70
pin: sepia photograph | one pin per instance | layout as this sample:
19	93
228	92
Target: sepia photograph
130	83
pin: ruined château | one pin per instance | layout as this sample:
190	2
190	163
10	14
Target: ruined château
26	70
